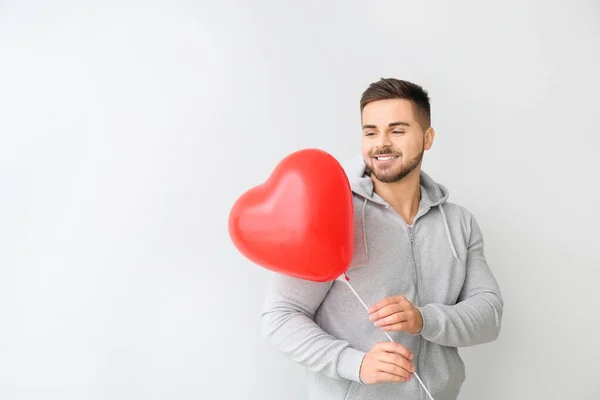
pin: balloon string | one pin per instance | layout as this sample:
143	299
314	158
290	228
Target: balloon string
386	334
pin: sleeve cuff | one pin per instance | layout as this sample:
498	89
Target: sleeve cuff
349	363
432	322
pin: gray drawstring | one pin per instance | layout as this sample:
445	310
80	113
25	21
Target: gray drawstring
448	233
364	228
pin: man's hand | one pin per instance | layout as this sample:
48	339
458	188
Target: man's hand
387	362
396	313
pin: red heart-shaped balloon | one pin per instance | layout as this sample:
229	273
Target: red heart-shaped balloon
300	221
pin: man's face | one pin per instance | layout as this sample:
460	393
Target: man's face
393	141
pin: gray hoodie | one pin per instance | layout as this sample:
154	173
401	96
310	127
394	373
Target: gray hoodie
438	263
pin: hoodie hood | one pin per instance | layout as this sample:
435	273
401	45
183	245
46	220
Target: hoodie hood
433	194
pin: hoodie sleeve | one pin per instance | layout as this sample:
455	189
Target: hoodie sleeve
477	316
288	325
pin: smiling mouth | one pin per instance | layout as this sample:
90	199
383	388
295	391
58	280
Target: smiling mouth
385	157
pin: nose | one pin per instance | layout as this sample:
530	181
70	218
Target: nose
383	140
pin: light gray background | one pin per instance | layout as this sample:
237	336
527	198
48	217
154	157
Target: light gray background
128	129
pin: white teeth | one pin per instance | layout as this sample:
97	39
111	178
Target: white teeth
385	158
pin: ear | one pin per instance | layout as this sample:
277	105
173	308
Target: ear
428	139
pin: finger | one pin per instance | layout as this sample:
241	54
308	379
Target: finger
382	376
395	318
393	347
386	311
386	302
395	370
403	327
397	360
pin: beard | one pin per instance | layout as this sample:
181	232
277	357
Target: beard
391	175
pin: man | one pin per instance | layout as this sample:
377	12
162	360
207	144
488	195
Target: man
419	265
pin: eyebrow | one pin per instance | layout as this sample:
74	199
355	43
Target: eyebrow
397	123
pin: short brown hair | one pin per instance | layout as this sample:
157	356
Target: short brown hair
391	88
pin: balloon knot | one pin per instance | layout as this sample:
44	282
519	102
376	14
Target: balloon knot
346	276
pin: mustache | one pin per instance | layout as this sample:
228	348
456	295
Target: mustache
386	152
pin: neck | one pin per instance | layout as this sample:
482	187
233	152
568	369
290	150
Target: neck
403	195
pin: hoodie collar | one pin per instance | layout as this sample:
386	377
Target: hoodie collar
432	193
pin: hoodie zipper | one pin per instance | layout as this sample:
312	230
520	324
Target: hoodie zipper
417	296
417	275
411	237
